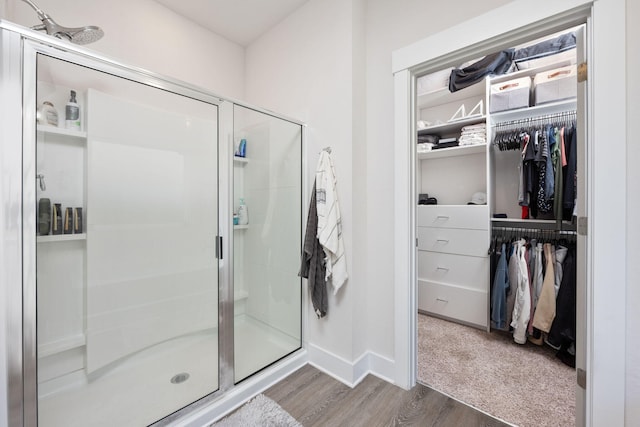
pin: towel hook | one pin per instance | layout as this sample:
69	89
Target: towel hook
40	178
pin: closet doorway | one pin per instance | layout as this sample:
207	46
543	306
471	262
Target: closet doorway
500	269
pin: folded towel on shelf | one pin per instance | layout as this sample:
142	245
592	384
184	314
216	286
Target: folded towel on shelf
473	134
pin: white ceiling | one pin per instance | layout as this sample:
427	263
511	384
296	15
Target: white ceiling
241	21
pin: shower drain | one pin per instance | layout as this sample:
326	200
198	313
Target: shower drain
180	378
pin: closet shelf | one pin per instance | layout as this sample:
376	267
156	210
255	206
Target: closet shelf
52	130
535	111
454	126
61	237
464	150
532	71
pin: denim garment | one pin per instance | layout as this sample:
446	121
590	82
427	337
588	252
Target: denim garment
499	294
494	64
545	48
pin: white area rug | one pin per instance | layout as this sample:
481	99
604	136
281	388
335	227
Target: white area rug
259	412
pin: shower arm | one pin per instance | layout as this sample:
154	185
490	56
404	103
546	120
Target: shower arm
39	11
46	19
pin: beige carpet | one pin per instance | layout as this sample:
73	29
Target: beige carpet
523	385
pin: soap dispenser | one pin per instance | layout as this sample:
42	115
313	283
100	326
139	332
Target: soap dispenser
243	214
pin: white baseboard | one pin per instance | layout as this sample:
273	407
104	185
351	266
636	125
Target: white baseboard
351	373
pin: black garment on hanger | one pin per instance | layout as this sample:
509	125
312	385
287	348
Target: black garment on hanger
570	178
496	64
563	330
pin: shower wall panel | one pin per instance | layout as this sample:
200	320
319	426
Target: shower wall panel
151	261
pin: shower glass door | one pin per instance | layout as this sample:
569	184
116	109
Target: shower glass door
127	274
266	239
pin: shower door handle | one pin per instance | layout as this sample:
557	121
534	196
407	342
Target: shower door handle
219	247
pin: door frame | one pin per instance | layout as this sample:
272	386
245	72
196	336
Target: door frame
604	307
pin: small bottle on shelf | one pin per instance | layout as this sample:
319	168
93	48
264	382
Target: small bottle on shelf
243	214
72	113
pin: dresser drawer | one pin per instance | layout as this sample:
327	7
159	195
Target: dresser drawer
468	271
465	305
450	216
454	241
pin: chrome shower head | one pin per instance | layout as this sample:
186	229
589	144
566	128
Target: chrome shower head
81	35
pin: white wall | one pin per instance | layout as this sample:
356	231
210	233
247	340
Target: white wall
299	68
632	404
145	34
390	26
303	68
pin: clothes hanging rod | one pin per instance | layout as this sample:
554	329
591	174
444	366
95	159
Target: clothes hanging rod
563	115
533	225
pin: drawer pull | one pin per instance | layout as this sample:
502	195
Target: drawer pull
443	240
442	268
442	300
442	217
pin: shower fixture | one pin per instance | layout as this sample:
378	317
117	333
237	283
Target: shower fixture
81	35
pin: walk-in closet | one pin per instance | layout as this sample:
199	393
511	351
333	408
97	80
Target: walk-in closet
499	185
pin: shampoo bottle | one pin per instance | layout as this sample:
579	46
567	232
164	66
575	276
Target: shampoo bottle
72	112
243	215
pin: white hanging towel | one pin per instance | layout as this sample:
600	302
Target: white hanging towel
329	222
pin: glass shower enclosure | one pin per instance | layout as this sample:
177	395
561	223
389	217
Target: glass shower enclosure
162	230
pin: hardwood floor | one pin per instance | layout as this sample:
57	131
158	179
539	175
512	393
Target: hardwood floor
316	399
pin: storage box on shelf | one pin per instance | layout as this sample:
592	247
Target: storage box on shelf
555	85
510	94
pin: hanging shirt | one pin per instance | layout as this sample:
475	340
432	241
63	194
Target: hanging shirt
570	175
522	307
557	167
499	292
542	160
546	309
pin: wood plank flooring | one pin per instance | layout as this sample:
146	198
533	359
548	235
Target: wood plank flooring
316	399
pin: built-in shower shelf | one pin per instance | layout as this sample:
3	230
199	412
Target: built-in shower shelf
240	160
61	345
240	227
240	295
61	237
61	131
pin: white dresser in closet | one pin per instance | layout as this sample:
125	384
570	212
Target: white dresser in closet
453	265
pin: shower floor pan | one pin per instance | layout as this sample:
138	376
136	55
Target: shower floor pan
139	391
